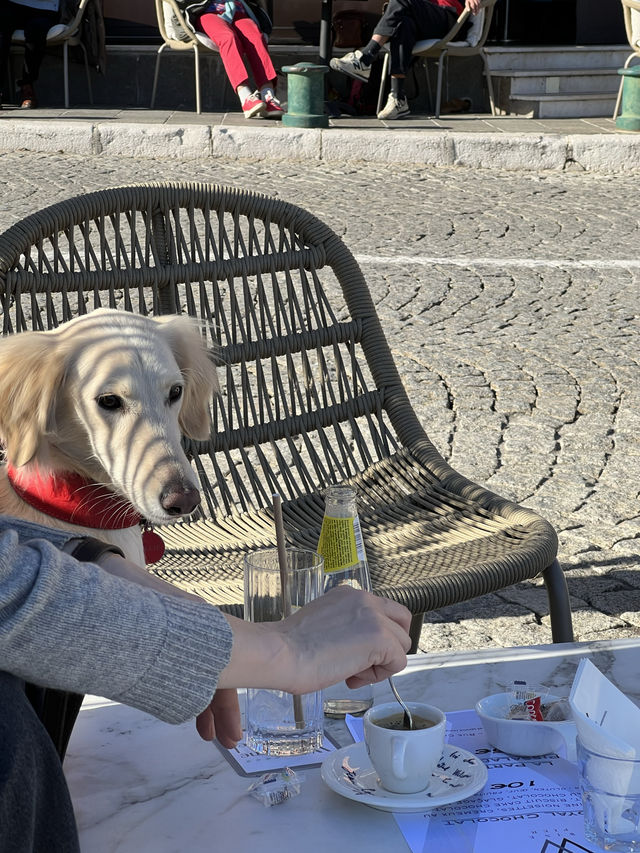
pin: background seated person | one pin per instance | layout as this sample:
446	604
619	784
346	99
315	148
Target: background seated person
403	23
234	29
35	17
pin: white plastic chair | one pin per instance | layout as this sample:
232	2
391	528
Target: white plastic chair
68	35
631	10
177	35
440	49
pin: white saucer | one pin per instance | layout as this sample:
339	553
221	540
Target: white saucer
349	772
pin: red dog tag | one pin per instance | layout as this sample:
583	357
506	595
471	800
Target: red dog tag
153	545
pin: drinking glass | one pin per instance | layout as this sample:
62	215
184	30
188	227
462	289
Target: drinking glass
610	788
278	723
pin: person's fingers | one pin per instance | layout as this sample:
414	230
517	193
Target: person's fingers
221	719
226	715
205	725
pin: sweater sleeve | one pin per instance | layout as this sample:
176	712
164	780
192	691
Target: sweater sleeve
73	626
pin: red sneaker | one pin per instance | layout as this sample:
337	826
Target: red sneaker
254	106
273	108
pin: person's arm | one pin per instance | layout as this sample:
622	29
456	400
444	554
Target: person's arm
76	627
73	626
221	719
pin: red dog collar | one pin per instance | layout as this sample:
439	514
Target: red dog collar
73	498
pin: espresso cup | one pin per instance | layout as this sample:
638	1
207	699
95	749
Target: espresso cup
404	759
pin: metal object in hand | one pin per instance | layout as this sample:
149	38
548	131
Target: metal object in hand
408	719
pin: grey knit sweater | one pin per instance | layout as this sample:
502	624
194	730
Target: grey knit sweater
75	627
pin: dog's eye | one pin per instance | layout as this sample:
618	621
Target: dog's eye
175	392
110	402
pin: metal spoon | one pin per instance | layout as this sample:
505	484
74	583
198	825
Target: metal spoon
408	719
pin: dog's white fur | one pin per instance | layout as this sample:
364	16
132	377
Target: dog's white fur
58	390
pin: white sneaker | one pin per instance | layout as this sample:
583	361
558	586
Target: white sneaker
394	108
350	64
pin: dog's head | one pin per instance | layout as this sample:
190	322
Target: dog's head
107	395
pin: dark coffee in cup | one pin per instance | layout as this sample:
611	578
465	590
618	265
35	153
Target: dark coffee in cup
396	722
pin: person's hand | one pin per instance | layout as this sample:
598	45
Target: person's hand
473	6
346	634
221	719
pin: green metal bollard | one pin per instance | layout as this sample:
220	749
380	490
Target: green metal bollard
629	118
305	95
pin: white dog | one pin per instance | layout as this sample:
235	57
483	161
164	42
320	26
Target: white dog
90	417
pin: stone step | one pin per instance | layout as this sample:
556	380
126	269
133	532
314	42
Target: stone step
558	82
555	58
583	105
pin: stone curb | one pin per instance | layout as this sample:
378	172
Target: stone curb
511	151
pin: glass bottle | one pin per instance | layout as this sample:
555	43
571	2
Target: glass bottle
345	562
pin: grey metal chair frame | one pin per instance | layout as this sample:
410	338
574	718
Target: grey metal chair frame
311	394
442	49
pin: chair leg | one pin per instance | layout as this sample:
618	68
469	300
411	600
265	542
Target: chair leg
65	67
155	76
415	630
427	76
487	74
620	87
197	63
559	607
616	109
383	81
439	85
86	68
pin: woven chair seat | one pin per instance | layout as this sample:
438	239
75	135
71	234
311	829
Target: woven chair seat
311	395
426	548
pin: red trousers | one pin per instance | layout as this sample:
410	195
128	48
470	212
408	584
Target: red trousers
241	37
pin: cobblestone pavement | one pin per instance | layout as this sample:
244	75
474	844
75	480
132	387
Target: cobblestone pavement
511	304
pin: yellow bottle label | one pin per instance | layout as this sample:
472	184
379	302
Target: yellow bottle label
338	543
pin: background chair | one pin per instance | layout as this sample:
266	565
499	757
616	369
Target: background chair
441	49
68	35
177	35
311	395
631	11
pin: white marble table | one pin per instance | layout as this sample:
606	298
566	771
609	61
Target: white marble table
139	785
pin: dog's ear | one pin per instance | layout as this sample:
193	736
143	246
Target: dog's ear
198	369
30	376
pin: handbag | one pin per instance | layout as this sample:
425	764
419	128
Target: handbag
349	29
260	13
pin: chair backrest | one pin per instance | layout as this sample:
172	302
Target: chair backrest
311	395
58	33
173	27
631	10
175	31
475	36
478	32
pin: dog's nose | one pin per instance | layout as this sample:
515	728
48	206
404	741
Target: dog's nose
179	500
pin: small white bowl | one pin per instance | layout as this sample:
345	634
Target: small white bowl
524	738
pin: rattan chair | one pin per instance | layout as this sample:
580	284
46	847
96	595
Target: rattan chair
441	49
631	11
311	395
